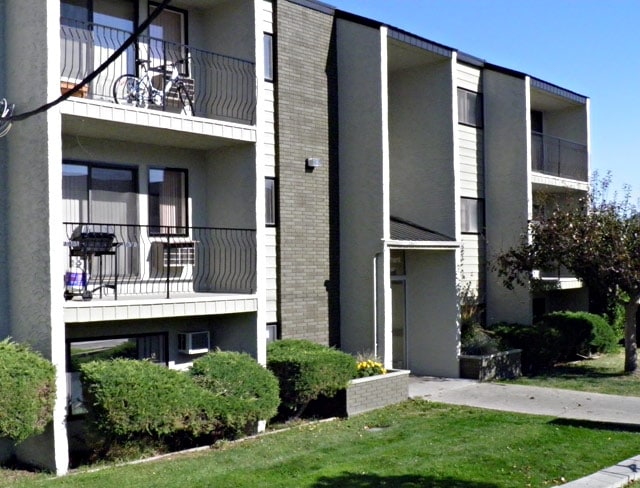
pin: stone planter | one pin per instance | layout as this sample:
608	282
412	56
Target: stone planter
372	392
501	365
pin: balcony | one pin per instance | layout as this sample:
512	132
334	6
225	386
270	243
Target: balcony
558	157
112	262
221	87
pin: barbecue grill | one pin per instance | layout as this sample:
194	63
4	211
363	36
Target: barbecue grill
86	243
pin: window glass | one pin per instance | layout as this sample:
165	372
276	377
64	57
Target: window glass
268	57
469	108
270	201
105	197
472	215
93	193
168	36
167	202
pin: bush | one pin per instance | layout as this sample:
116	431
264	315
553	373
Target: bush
306	370
128	398
28	391
558	337
239	377
477	341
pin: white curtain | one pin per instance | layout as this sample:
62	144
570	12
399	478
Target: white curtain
172	202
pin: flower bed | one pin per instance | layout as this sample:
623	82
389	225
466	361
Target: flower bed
372	392
501	365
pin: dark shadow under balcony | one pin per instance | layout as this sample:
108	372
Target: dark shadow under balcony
112	261
559	157
220	87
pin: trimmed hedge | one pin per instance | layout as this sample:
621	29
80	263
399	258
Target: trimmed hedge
558	337
128	398
306	370
239	377
28	391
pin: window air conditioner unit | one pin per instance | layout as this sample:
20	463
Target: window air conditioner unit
193	342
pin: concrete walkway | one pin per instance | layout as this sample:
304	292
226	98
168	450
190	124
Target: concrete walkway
563	404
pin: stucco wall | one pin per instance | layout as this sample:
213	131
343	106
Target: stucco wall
231	187
363	162
33	194
508	190
4	289
225	28
431	304
421	146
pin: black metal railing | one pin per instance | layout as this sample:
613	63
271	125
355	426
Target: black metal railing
559	157
222	87
113	260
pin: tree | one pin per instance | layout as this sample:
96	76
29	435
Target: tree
596	239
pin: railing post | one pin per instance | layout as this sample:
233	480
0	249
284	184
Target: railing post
168	267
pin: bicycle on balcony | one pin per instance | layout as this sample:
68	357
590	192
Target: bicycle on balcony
142	91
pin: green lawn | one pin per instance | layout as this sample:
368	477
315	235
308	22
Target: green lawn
415	444
602	375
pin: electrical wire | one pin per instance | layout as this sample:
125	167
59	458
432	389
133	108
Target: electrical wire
7	116
6	112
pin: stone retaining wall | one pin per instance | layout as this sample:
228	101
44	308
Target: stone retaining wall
365	394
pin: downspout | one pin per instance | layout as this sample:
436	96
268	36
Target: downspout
375	303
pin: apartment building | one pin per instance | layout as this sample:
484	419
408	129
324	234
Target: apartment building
325	177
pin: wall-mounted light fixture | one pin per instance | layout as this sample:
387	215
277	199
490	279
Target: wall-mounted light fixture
313	163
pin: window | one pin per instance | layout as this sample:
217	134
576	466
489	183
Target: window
270	201
472	210
470	108
168	36
97	193
268	57
272	332
106	196
152	347
167	202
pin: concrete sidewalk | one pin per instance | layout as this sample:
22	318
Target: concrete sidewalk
563	404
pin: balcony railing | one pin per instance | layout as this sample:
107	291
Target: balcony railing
222	87
559	157
112	260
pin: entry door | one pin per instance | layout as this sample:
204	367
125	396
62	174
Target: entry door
399	324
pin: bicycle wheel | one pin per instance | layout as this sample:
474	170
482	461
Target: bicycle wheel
127	91
185	100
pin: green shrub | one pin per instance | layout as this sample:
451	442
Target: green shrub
558	337
306	370
580	333
477	341
238	376
28	391
128	398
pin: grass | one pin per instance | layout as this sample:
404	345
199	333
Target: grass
604	374
414	444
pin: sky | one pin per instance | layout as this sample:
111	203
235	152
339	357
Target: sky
591	47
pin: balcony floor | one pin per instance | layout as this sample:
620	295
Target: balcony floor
95	118
132	307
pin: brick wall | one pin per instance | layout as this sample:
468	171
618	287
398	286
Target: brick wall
306	127
366	394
